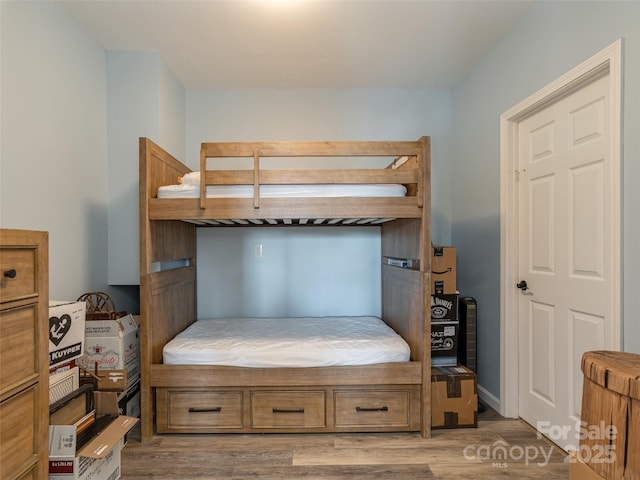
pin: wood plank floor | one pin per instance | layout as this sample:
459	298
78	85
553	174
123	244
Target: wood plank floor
498	448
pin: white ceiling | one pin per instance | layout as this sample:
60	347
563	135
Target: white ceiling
305	43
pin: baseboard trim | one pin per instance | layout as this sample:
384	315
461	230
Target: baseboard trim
489	399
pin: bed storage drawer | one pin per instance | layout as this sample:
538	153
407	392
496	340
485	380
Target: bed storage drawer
373	408
198	411
288	409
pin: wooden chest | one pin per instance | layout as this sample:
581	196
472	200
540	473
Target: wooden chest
610	439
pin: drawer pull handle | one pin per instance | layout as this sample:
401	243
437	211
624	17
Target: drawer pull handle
378	409
11	273
288	410
204	410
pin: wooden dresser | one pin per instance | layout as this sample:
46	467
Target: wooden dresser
24	362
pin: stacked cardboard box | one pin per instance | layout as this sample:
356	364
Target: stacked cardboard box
445	325
99	458
66	345
454	397
443	270
445	339
109	351
66	332
113	345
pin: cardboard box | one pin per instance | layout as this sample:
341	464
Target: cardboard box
443	270
105	380
113	345
454	397
62	383
85	468
129	402
66	331
611	414
444	307
62	367
99	459
445	341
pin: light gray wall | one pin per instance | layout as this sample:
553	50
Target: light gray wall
303	271
172	98
550	40
53	165
144	100
330	114
71	118
133	90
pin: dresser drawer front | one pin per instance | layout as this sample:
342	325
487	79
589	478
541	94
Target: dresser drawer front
18	365
372	408
199	410
18	433
288	409
18	270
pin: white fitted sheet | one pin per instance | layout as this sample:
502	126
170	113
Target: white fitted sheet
287	342
190	188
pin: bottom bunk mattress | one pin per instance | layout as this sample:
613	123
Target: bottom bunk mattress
287	342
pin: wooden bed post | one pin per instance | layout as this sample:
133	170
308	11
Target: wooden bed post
159	241
146	398
425	263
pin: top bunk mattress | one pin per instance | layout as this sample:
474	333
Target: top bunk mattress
190	188
287	342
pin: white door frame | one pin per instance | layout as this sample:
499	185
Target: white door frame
608	60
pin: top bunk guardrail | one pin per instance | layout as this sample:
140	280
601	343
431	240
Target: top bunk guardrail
254	195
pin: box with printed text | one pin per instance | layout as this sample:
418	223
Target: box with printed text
99	457
66	331
113	345
87	468
443	270
444	307
445	343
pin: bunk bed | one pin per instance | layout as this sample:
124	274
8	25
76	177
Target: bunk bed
389	395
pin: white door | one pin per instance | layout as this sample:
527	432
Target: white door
565	192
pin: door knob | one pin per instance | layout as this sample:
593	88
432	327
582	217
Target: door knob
522	285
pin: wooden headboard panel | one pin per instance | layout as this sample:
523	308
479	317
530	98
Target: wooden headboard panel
167	306
165	240
402	301
171	307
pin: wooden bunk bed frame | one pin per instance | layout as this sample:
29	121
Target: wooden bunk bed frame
220	399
